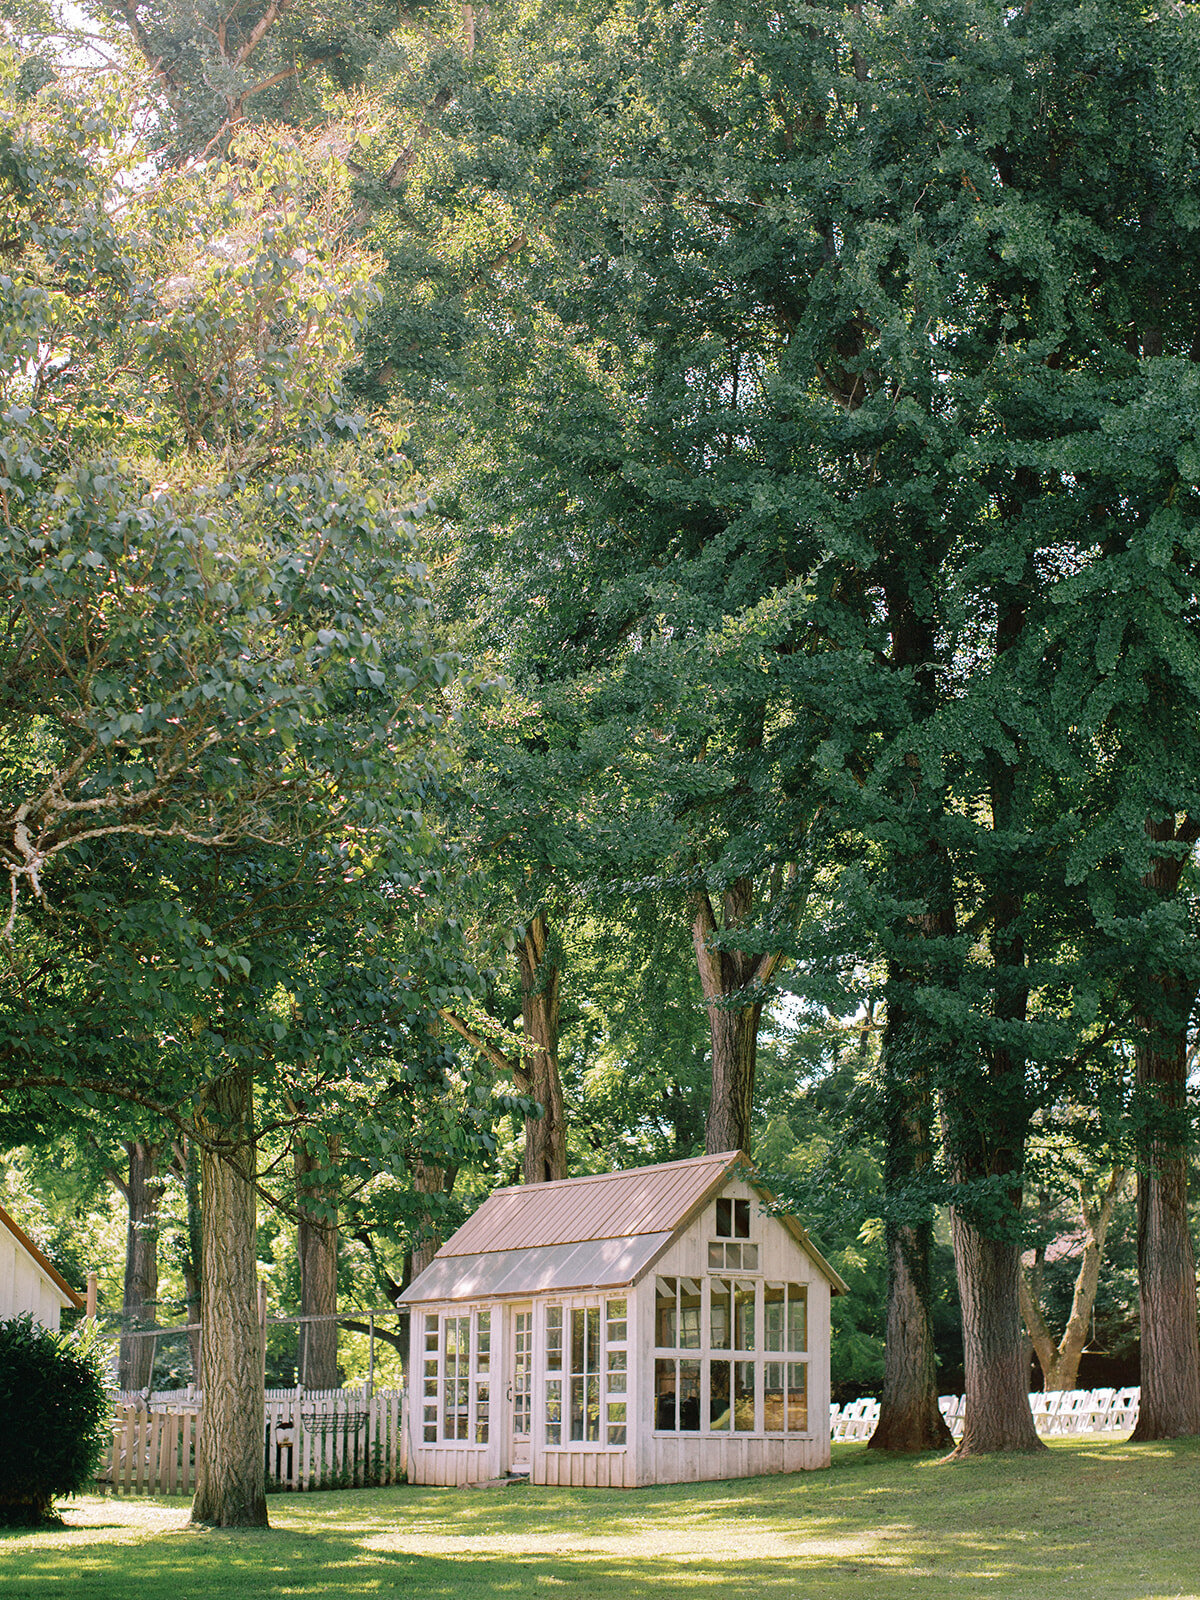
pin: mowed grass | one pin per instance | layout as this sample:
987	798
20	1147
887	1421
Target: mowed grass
1093	1519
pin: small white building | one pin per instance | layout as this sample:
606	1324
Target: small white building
28	1282
649	1326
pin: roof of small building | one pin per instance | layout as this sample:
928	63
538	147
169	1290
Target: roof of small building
598	1231
70	1297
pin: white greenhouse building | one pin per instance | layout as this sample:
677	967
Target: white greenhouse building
651	1326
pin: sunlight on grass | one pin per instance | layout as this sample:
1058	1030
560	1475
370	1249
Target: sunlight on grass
1095	1519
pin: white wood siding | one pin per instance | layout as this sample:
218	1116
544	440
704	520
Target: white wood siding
24	1286
687	1458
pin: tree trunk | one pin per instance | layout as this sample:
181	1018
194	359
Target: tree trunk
316	1250
997	1395
1060	1362
192	1273
909	1416
545	1136
143	1193
1170	1376
734	1062
733	982
429	1178
230	1489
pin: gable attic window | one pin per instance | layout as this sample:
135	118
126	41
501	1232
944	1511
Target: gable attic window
733	1224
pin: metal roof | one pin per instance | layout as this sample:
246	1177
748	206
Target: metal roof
590	1264
604	1205
594	1232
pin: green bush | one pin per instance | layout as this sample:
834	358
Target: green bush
54	1418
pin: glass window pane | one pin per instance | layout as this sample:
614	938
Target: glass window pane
616	1435
718	1396
554	1411
483	1336
749	1258
592	1350
689	1397
797	1397
554	1338
593	1407
617	1360
797	1329
773	1397
716	1257
689	1314
773	1296
616	1310
743	1315
724	1219
578	1340
720	1314
733	1255
664	1396
577	1408
616	1382
664	1324
741	1219
743	1396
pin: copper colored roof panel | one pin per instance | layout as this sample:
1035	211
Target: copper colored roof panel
591	1264
607	1205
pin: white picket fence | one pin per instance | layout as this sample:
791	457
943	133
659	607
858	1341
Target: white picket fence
312	1439
1063	1411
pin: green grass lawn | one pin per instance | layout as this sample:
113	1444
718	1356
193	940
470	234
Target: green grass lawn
1093	1520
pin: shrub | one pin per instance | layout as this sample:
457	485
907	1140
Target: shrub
54	1418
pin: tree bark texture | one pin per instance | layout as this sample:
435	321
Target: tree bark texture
545	1136
429	1178
143	1193
733	982
909	1416
1059	1360
317	1253
1170	1375
997	1395
230	1489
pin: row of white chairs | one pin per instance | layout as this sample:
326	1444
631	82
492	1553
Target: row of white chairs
1056	1412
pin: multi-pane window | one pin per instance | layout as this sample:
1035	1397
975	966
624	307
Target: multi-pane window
736	1383
554	1374
456	1378
733	1225
585	1374
616	1378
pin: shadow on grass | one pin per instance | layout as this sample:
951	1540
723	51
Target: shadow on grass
1100	1522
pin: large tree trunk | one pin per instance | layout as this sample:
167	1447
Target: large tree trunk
545	1136
1060	1361
143	1193
230	1488
316	1250
909	1416
997	1397
1170	1375
988	1142
732	982
429	1178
